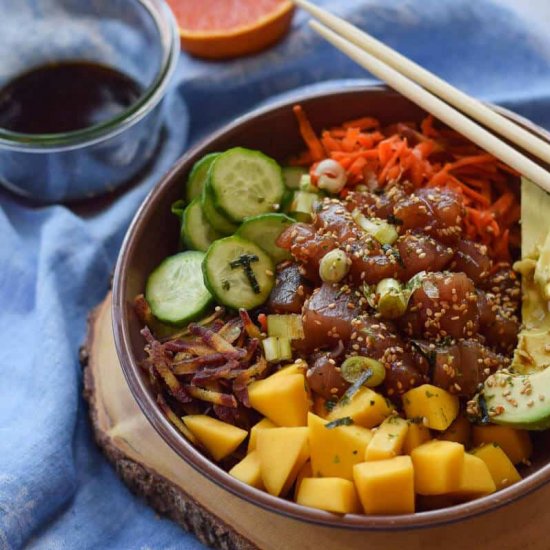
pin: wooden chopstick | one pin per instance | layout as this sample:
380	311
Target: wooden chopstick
463	102
432	104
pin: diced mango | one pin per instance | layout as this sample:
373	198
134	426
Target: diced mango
434	404
305	471
334	451
459	431
475	479
298	367
329	493
388	439
219	438
366	408
263	424
386	486
515	443
415	436
283	399
282	452
248	470
437	467
500	466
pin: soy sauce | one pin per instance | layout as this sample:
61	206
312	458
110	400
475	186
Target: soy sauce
65	96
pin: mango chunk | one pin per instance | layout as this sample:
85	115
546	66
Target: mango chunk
475	479
459	431
437	467
305	471
437	406
388	439
366	408
386	486
263	424
415	436
334	451
219	438
515	443
500	466
248	470
329	493
282	452
298	367
283	399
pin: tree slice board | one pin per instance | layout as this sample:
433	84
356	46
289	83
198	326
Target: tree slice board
221	520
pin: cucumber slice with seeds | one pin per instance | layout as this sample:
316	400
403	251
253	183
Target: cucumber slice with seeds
217	220
245	183
238	273
196	232
264	230
198	176
176	291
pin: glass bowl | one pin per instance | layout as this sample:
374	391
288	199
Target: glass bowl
154	234
137	37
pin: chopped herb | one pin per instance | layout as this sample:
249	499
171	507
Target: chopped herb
355	387
395	253
429	354
226	285
336	459
346	421
245	261
392	436
430	394
330	404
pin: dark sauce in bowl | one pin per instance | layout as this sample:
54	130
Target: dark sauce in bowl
64	97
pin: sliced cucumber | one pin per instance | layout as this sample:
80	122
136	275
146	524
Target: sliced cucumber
264	230
198	176
238	273
292	176
245	183
217	220
196	232
176	291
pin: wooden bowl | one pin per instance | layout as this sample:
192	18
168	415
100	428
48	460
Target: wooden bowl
154	233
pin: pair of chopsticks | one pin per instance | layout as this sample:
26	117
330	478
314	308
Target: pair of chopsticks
428	91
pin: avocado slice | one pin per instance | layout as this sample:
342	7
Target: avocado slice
520	397
519	400
531	354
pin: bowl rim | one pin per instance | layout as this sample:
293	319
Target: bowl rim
167	28
208	468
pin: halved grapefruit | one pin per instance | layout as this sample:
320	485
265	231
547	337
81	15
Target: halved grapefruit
218	29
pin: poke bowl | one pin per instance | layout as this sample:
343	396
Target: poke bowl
320	309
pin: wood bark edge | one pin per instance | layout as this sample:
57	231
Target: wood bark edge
163	496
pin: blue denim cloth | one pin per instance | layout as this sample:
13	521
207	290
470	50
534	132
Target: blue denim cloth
56	489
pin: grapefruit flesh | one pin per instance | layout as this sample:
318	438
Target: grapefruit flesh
218	29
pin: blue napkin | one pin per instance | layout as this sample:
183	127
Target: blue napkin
56	489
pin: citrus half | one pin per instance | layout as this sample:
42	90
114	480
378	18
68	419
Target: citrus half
219	29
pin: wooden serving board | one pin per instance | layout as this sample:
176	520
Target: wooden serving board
153	470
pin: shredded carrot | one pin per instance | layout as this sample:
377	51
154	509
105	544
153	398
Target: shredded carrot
262	319
308	134
425	155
